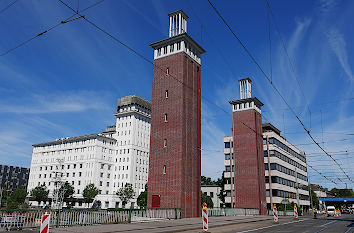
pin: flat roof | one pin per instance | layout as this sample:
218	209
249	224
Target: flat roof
247	100
72	139
269	126
177	38
134	99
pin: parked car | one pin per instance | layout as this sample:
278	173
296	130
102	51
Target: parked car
330	211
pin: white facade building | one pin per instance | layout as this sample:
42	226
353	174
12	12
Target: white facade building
109	160
212	191
286	166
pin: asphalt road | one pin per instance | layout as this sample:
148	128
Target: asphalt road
343	224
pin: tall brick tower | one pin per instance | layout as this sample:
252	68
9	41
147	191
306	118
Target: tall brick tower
248	150
175	140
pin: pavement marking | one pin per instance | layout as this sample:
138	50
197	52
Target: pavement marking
335	221
327	223
349	229
261	228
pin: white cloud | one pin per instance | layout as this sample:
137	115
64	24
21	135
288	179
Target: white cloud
337	42
57	102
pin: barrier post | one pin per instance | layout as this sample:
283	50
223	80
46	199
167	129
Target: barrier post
295	211
205	217
45	223
275	213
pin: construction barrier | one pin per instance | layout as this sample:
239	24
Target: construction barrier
275	214
295	211
205	217
45	223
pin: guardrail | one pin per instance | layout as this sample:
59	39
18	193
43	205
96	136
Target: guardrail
21	219
232	212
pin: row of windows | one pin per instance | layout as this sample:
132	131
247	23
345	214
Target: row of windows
64	144
280	180
285	159
285	194
165	49
62	167
228	144
278	167
285	147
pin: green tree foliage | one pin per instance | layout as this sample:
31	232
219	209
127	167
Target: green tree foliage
17	198
342	192
315	201
142	199
126	193
90	192
206	199
68	191
40	193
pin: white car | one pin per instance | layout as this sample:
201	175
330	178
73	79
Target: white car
330	210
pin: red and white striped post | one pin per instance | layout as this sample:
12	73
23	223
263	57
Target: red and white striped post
295	211
275	213
45	223
205	217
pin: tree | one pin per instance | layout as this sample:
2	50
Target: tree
142	198
68	190
206	181
315	201
206	199
40	193
126	193
89	193
342	192
17	198
221	184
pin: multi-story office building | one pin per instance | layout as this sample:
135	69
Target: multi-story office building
285	170
12	177
109	160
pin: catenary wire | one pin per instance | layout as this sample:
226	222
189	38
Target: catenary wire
274	87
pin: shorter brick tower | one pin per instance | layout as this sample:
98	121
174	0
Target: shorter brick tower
248	150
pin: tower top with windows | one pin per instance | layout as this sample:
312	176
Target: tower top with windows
178	39
246	100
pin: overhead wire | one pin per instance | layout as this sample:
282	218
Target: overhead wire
146	59
49	29
274	87
8	6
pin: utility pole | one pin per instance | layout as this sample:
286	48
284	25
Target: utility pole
269	176
297	190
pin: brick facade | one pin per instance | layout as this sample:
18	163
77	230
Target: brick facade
179	186
249	160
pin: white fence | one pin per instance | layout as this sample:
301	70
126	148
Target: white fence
70	218
155	214
232	212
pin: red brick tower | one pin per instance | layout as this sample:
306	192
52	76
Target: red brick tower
174	161
248	150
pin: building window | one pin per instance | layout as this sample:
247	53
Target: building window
73	174
172	48
164	170
101	174
107	184
211	194
178	45
72	182
165	143
227	156
166	94
100	183
80	165
165	117
164	49
80	174
227	168
167	70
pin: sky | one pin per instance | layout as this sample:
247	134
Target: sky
66	82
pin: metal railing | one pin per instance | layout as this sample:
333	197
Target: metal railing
232	212
24	219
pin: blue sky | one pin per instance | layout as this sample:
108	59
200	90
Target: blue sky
67	82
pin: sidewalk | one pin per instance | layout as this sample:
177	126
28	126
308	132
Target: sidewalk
164	226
